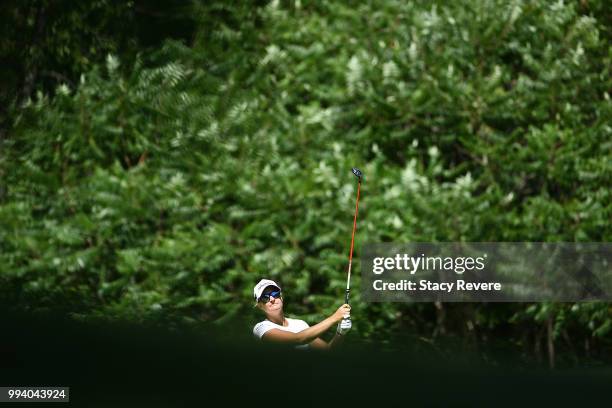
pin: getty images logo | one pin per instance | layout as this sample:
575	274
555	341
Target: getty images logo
413	264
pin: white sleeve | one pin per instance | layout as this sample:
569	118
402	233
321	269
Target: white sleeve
262	327
304	325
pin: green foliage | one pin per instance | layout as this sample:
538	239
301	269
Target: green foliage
172	181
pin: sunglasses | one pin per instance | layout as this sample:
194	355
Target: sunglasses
266	297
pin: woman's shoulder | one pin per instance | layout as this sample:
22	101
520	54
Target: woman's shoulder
263	323
262	327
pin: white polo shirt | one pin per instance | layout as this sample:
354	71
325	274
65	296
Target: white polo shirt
293	325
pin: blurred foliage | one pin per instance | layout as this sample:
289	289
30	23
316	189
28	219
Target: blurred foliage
168	181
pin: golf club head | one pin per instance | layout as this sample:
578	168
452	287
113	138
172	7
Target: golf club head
357	172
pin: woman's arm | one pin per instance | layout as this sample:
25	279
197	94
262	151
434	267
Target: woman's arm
309	334
323	345
320	344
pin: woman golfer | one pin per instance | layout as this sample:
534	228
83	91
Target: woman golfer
280	329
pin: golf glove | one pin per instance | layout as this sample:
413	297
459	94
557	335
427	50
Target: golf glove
344	326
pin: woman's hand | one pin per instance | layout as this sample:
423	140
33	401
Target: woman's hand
342	312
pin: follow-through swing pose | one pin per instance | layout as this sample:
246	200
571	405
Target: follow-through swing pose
280	329
277	328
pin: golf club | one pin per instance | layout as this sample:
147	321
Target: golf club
359	175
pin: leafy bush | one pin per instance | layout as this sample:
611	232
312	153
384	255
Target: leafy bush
173	183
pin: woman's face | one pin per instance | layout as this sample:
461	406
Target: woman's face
274	304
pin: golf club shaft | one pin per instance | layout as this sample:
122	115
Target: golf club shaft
348	279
